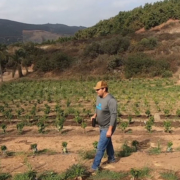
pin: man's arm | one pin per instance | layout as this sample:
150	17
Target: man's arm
113	113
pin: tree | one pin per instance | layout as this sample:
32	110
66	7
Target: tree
17	59
3	60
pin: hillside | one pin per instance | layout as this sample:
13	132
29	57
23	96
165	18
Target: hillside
142	52
146	53
12	31
127	22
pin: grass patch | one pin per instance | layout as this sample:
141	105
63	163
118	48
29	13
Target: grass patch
46	151
76	170
30	175
140	173
4	176
126	150
169	175
90	154
109	175
50	175
155	150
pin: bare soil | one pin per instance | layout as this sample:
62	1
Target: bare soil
54	160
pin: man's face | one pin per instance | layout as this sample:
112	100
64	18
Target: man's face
100	92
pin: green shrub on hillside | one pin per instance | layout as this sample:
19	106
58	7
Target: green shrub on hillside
92	50
114	63
111	46
53	61
141	64
115	45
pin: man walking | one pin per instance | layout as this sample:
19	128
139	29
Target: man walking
106	116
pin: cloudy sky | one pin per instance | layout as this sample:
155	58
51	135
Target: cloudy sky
70	12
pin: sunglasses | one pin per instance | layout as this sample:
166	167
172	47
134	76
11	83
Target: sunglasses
99	89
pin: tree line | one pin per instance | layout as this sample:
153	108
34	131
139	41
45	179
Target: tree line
126	22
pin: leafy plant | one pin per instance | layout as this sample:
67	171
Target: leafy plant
155	150
124	125
47	109
3	149
148	113
135	144
34	148
178	112
167	126
126	150
64	145
76	171
50	175
41	126
4	127
87	154
4	176
109	175
148	126
60	122
68	103
169	146
166	112
30	175
95	144
169	175
78	119
84	125
19	127
140	173
130	119
151	119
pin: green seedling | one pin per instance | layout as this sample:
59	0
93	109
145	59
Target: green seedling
148	113
135	144
4	127
167	126
64	145
60	122
34	148
130	119
148	126
19	127
169	146
124	125
3	149
84	125
41	127
95	144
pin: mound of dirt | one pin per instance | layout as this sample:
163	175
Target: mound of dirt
171	26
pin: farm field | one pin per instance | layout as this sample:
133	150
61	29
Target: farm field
50	112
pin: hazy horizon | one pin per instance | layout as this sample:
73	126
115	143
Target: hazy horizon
72	13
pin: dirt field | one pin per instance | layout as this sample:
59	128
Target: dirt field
55	160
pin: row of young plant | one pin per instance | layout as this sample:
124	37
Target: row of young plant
148	124
134	96
79	170
43	123
60	120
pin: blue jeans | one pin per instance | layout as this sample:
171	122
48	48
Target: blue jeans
104	143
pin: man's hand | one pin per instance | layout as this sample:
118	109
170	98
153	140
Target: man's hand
109	133
94	116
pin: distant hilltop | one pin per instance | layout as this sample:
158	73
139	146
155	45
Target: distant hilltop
12	31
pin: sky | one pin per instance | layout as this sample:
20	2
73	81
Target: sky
69	12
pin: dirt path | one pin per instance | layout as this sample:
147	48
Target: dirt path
7	76
53	159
